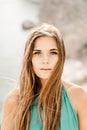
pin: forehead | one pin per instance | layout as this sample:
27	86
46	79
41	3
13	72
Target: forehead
45	42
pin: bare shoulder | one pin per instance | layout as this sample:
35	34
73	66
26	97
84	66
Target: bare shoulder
77	94
9	110
11	102
75	89
14	94
78	97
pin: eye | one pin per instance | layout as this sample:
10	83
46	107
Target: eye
54	53
37	53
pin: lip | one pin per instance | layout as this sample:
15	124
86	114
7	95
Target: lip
45	69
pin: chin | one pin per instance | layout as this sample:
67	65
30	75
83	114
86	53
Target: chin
45	78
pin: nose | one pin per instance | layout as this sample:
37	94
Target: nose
45	59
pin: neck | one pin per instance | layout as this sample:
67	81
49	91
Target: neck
43	82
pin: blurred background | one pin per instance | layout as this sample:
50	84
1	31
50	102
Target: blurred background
17	17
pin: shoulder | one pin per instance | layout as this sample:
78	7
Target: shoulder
11	102
9	110
77	94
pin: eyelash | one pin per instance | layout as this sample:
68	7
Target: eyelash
53	53
35	53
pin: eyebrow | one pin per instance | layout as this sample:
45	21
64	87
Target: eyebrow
54	49
50	50
36	50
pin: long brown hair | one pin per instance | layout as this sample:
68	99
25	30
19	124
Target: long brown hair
49	96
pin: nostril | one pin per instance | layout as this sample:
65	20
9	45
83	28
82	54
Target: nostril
45	60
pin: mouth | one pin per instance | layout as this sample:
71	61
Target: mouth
45	69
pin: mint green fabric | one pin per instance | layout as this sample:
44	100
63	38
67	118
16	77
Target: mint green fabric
68	120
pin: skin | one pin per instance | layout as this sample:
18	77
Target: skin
45	57
77	95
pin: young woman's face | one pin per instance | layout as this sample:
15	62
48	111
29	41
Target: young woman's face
45	57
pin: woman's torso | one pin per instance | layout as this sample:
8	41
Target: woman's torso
11	105
68	120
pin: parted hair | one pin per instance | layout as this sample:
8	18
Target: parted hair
50	95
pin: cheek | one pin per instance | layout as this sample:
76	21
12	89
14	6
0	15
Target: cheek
35	64
34	61
54	61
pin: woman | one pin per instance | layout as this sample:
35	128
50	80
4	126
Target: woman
43	101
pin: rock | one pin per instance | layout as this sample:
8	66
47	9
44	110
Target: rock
62	13
27	24
75	40
82	52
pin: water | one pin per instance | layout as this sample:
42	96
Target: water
12	40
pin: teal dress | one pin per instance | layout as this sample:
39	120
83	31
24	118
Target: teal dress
68	120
